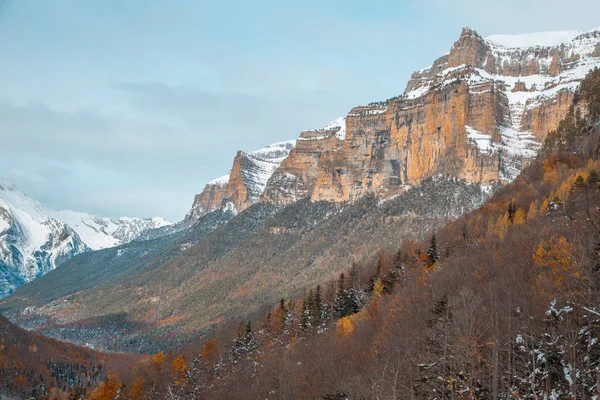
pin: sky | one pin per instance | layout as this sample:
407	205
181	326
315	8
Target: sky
128	107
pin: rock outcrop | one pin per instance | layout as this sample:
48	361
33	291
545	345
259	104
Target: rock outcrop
296	176
244	184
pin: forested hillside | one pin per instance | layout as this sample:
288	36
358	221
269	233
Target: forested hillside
501	303
36	367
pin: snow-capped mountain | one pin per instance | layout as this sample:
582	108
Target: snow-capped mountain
529	74
100	232
35	239
480	112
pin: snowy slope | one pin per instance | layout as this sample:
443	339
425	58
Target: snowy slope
35	239
100	233
255	167
338	126
259	165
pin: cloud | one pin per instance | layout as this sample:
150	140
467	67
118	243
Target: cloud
520	16
170	142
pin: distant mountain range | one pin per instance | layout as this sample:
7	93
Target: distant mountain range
35	239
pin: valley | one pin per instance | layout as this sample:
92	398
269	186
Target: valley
439	244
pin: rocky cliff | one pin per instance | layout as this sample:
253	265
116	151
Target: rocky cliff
478	113
244	184
296	176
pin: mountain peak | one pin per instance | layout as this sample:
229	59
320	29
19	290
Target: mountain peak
468	31
7	185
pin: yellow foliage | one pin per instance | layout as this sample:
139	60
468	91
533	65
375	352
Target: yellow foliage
533	210
107	390
556	256
159	358
137	390
179	368
377	288
344	327
544	206
563	190
520	217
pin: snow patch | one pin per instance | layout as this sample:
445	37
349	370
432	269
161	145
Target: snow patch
220	181
538	39
479	139
338	123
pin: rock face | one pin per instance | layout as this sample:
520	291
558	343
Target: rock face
296	176
478	113
244	184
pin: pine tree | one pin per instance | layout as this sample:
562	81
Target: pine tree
283	311
305	316
432	251
346	299
353	277
316	311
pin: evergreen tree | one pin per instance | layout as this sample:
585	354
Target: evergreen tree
432	252
317	308
346	299
353	277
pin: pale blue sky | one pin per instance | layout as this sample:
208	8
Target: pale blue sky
128	107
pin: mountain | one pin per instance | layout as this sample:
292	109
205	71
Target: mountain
296	175
260	255
386	173
244	184
479	113
35	239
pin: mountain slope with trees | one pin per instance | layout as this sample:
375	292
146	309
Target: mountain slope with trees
502	303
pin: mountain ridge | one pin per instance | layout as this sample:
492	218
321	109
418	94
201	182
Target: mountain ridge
35	239
479	112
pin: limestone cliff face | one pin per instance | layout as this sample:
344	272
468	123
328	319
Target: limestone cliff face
402	142
244	184
211	199
478	113
296	176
